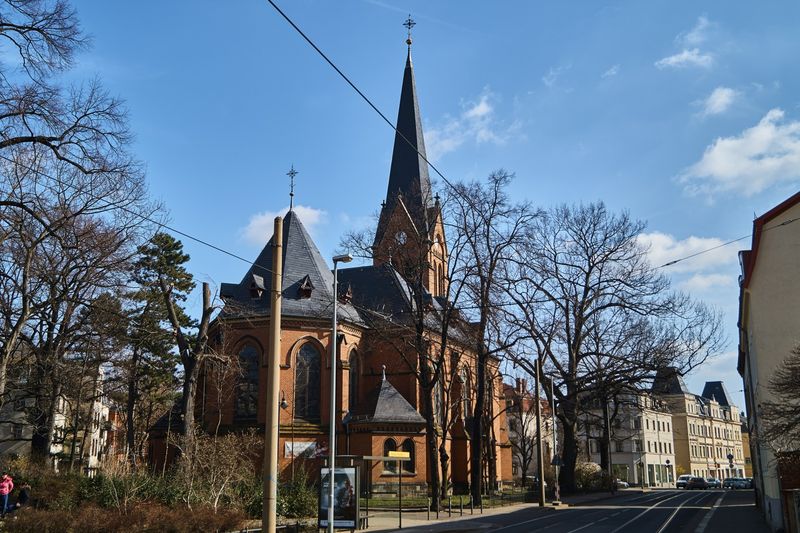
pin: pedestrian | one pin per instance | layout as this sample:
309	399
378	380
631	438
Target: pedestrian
6	486
23	498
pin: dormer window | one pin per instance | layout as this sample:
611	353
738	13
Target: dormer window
305	288
347	295
256	287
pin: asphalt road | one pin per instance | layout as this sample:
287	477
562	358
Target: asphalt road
662	511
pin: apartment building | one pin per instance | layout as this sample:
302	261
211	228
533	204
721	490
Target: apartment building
706	427
642	447
521	417
769	289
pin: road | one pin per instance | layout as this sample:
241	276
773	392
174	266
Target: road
661	511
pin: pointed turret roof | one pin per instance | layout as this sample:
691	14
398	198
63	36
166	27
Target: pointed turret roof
384	405
408	174
303	266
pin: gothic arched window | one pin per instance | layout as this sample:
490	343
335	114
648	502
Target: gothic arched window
246	398
389	445
354	374
306	383
409	465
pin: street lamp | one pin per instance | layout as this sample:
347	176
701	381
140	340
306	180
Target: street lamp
344	258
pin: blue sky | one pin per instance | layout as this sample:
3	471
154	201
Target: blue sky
684	113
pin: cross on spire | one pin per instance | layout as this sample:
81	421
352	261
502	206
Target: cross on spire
292	173
409	23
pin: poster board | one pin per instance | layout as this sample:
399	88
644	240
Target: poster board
345	495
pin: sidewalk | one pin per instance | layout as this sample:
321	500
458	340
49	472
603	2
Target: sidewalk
388	520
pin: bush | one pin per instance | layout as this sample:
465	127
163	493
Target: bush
143	517
298	498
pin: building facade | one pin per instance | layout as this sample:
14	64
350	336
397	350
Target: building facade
522	431
642	448
707	430
769	290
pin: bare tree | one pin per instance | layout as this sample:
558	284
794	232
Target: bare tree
600	317
493	228
781	419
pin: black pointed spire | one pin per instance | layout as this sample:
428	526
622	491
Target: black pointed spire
408	174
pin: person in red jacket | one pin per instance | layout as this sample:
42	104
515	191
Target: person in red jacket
6	486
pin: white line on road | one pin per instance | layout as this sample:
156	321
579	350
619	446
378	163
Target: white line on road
678	508
701	527
549	515
644	512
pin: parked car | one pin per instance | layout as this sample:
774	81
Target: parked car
682	480
748	482
713	483
735	483
622	484
730	482
696	483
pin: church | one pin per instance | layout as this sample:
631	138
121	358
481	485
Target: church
379	401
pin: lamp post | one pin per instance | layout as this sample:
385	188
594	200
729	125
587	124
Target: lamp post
344	258
556	488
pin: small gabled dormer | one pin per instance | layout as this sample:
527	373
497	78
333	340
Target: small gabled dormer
347	295
256	286
305	288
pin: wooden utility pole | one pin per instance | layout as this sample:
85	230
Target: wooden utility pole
269	516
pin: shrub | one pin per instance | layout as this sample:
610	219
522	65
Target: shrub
143	517
298	498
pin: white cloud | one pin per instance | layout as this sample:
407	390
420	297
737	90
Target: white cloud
611	72
260	226
664	248
551	78
696	35
706	282
686	58
476	122
719	101
760	157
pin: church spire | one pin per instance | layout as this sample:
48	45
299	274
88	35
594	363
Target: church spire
408	175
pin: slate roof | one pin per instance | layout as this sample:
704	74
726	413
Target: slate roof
384	405
408	174
170	420
716	390
380	293
669	381
302	263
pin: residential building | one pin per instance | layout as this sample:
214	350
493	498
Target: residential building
769	326
748	460
707	431
379	403
522	431
642	448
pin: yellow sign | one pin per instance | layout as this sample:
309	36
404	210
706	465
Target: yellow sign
400	455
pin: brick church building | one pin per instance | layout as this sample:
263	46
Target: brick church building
379	401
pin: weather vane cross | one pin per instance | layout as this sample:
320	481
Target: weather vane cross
292	173
409	23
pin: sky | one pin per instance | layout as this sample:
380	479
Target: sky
683	113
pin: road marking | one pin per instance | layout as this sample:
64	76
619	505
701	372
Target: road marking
644	512
549	515
589	523
678	508
701	527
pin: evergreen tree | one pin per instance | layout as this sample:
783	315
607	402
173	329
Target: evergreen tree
150	369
